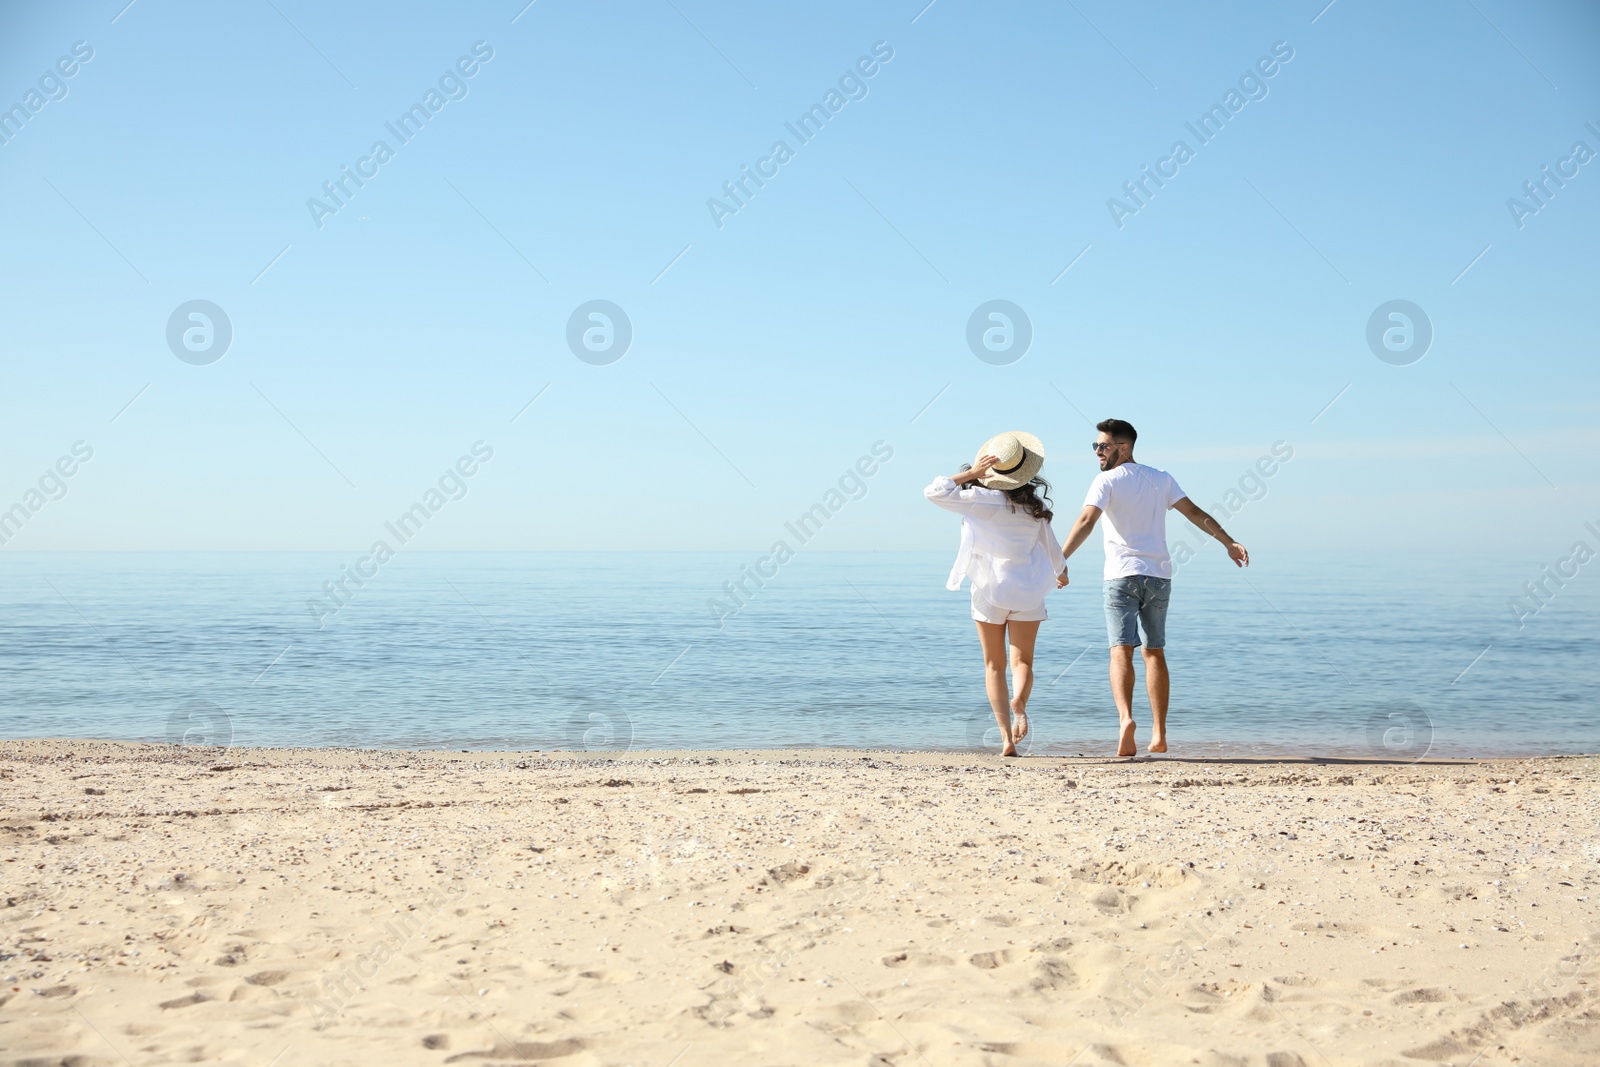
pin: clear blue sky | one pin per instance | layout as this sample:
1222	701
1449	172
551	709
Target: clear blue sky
177	162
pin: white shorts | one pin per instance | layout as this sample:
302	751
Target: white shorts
983	611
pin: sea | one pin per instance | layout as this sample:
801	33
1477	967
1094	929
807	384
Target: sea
1328	656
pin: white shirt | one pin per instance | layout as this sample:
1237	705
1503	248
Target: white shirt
1135	499
1011	557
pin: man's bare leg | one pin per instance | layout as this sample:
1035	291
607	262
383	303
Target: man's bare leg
1157	685
1122	693
992	636
1022	636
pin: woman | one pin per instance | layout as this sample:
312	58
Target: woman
1012	557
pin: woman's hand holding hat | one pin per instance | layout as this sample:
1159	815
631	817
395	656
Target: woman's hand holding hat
978	470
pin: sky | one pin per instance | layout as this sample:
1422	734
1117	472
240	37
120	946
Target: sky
578	152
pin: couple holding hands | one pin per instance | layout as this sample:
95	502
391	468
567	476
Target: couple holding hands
1011	556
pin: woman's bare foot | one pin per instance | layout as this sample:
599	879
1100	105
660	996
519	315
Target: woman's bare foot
1008	742
1125	745
1158	743
1019	728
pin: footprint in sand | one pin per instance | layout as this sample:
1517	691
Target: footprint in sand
916	959
185	1002
523	1050
854	1013
1053	974
267	977
1285	1059
1109	900
610	977
988	961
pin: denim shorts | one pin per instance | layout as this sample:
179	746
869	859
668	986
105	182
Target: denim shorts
1134	601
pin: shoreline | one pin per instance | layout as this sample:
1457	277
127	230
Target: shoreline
1220	753
345	906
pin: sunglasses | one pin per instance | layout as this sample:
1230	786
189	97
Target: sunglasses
1100	446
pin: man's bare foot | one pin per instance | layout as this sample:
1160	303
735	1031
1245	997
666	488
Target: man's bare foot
1009	750
1158	744
1019	728
1125	746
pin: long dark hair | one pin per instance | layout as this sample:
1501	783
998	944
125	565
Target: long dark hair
1034	497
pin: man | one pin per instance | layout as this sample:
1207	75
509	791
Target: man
1138	579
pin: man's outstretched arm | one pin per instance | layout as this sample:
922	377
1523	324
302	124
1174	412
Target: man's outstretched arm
1082	527
1195	514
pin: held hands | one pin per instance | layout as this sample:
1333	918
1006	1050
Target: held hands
1061	579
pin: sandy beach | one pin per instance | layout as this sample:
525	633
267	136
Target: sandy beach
179	905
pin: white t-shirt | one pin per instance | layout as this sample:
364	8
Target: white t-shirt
1135	499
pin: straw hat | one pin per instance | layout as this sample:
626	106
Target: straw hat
1021	456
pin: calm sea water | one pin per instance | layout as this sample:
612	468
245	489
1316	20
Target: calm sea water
1319	656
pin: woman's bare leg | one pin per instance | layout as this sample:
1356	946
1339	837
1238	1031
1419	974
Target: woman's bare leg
992	636
1022	636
